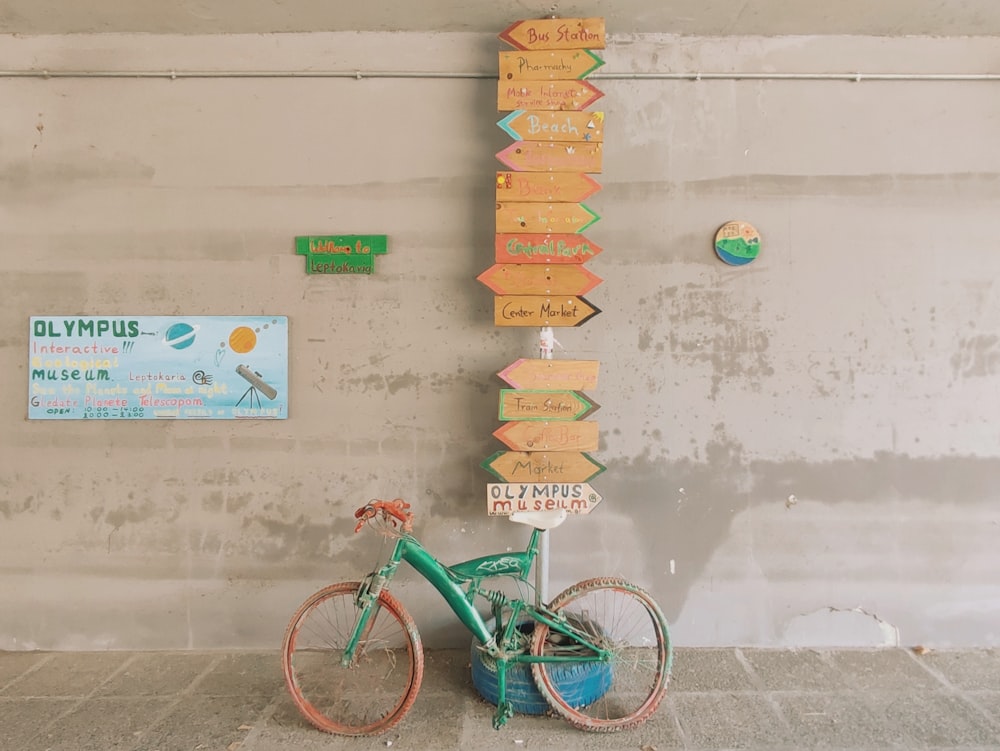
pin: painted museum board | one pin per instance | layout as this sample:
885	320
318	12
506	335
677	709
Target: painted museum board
158	367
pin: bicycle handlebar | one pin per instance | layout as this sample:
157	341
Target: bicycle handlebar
394	511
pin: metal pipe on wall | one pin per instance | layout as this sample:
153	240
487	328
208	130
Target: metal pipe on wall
361	75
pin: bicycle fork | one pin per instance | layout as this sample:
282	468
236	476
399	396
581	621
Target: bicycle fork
367	603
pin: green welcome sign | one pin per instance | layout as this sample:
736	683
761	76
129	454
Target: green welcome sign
341	254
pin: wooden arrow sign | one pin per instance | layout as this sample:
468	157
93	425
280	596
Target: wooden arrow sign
543	466
548	65
546	95
541	125
540	217
547	187
553	156
535	310
525	373
545	404
506	498
555	34
535	279
561	435
558	248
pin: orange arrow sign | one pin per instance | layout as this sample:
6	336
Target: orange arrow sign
539	217
577	375
541	466
535	310
551	125
547	187
555	34
562	435
546	95
535	279
506	498
556	248
545	404
548	65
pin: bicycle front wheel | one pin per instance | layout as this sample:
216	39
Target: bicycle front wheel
620	617
377	689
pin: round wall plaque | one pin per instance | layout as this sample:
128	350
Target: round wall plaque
737	243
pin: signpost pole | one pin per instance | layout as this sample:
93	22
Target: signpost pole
546	343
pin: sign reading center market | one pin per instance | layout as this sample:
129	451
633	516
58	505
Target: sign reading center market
341	254
158	367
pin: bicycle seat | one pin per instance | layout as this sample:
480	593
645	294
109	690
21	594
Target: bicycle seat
540	519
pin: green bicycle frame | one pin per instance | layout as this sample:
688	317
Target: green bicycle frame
449	581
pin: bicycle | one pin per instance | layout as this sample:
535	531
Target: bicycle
353	662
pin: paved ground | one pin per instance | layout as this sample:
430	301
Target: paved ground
719	699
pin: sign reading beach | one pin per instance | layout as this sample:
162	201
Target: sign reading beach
158	367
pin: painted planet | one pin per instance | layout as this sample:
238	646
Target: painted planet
242	339
737	243
180	335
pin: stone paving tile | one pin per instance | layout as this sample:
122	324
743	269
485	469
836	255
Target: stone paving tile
730	721
13	665
708	670
22	719
244	674
794	670
883	670
69	674
152	674
825	720
204	721
103	724
977	670
933	719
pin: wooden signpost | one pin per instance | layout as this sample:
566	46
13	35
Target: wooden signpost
539	277
522	247
545	186
543	466
536	279
579	375
525	216
555	34
555	435
535	310
548	65
506	498
553	156
522	125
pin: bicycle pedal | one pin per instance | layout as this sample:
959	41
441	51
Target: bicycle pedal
505	710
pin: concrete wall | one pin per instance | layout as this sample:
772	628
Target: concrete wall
801	451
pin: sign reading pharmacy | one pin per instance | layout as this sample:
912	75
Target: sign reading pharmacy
341	254
158	367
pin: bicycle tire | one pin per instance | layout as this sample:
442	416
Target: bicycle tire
626	619
583	681
373	693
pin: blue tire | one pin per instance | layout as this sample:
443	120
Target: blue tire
580	683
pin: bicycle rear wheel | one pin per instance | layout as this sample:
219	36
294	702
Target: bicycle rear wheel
378	688
624	619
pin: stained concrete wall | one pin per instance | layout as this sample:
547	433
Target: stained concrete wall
801	451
